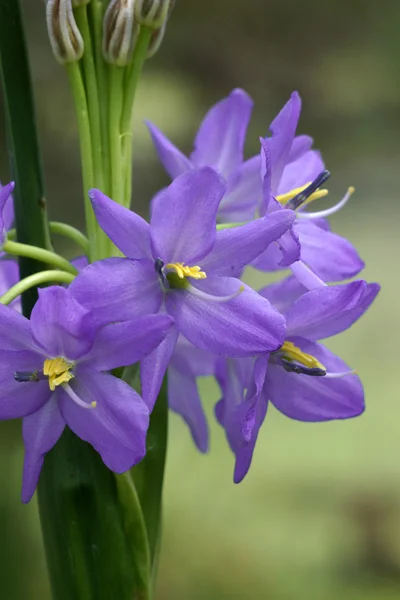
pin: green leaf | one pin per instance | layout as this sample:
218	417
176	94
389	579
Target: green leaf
30	205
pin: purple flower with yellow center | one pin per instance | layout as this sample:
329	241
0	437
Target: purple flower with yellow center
294	184
53	373
302	379
181	264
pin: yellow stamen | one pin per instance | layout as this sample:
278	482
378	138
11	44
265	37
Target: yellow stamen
58	371
183	271
284	198
293	353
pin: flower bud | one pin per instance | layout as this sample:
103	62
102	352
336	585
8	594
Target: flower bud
152	13
65	38
157	37
120	31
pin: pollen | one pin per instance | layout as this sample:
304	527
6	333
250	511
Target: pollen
284	198
293	353
184	271
58	370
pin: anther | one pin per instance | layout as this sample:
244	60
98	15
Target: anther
300	198
301	369
28	376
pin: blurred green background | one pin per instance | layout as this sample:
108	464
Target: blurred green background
318	516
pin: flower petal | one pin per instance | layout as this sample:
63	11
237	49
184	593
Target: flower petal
173	160
116	427
303	170
330	256
129	232
5	194
326	311
60	325
283	129
187	357
283	293
118	289
244	193
15	333
243	326
18	399
123	344
307	398
154	366
220	139
184	216
237	247
301	144
9	276
184	399
40	431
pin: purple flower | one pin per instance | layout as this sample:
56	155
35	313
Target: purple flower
53	374
182	265
219	144
303	379
6	210
292	184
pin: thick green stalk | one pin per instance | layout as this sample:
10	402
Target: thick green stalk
116	77
29	201
131	82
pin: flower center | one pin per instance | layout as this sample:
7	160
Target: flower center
184	271
305	194
294	360
58	370
284	198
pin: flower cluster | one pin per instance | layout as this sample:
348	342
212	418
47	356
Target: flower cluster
175	302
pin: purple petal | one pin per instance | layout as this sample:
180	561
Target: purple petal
15	332
19	399
40	431
123	344
220	139
283	293
174	162
307	398
118	289
184	216
197	361
5	213
237	247
184	399
243	326
283	129
304	170
284	251
330	256
129	232
116	427
244	193
154	366
301	144
328	310
80	262
9	276
60	325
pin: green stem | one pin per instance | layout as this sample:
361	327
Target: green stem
79	94
39	254
92	95
34	281
70	232
97	15
132	80
221	226
115	108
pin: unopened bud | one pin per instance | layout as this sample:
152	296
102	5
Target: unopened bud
152	13
65	38
157	37
120	31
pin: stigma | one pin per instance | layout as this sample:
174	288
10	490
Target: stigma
58	371
183	271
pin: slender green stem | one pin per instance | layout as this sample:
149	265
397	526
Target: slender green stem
97	15
92	95
79	94
132	80
65	230
70	232
221	226
34	281
39	254
115	109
